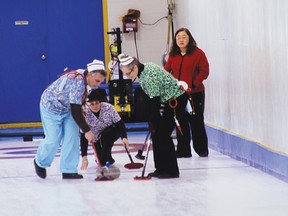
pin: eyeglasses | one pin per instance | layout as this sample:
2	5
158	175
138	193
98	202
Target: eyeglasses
129	73
93	103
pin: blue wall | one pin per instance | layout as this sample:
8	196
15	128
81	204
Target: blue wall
249	152
69	34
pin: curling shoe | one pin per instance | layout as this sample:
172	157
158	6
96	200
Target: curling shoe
72	176
203	155
154	174
178	155
167	176
41	172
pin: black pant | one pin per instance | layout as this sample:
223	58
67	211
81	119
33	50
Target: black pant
163	147
196	122
104	145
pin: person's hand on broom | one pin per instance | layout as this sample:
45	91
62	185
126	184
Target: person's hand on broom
84	163
125	142
89	136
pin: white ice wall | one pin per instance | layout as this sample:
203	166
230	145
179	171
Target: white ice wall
246	43
247	47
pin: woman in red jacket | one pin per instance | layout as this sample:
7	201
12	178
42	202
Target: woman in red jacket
187	62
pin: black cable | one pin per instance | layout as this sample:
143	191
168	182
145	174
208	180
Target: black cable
172	28
145	24
152	23
136	45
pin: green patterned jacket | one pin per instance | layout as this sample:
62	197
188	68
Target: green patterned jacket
155	81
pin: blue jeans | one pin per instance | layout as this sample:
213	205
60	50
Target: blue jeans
59	130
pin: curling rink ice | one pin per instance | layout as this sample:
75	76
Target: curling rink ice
213	186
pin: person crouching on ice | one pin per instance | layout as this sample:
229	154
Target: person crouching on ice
107	126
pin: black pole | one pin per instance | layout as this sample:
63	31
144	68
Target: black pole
119	51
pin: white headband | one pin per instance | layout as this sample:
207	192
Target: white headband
95	65
125	59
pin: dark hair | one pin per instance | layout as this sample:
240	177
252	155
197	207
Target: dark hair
192	45
133	63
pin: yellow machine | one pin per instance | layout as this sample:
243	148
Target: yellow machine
126	107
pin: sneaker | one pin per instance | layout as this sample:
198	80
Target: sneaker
72	176
41	172
166	176
111	161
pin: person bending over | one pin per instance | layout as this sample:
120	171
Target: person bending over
160	86
61	115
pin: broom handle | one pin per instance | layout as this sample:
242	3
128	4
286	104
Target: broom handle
98	160
148	147
145	141
128	154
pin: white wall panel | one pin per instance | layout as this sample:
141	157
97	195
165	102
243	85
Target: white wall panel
246	44
151	39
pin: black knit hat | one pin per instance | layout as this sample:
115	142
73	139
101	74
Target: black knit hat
95	95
